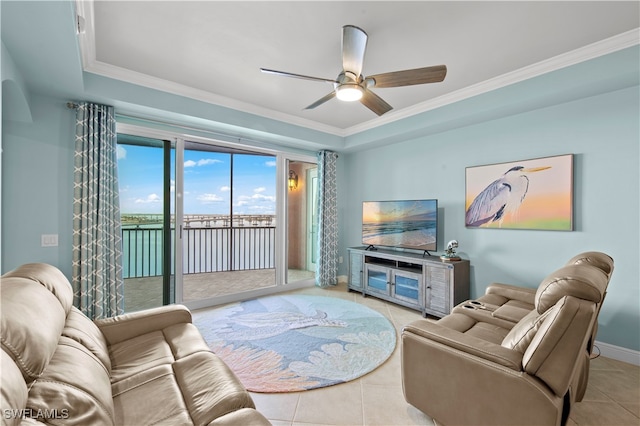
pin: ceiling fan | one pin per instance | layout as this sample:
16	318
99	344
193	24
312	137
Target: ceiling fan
351	85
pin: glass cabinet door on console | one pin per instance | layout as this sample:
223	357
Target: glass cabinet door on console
406	286
377	279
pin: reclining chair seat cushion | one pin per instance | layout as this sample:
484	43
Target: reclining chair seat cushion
472	327
513	311
196	385
139	354
196	390
134	402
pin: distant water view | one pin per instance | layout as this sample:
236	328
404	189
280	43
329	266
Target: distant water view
212	243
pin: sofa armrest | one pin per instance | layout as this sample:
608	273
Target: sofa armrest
523	294
469	344
123	327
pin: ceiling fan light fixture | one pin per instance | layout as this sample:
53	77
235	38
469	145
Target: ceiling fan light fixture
349	92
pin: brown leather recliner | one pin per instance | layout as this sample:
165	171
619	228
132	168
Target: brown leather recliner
473	367
511	303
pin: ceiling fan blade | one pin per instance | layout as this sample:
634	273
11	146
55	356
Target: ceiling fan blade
354	44
375	103
410	77
322	100
290	74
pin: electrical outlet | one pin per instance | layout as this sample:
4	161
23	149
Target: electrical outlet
340	259
49	240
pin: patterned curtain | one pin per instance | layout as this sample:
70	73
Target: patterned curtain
97	242
327	264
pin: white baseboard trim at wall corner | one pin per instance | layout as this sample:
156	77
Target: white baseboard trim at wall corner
342	279
618	353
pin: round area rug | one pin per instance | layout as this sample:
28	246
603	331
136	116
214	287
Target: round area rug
295	342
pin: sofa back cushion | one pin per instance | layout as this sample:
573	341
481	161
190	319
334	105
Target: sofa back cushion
578	280
74	388
554	351
14	390
50	278
32	320
81	329
520	336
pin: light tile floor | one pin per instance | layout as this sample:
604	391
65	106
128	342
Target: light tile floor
612	398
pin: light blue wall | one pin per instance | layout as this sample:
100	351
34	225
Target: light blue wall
37	185
603	134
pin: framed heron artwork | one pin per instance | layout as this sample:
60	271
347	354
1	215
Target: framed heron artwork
528	194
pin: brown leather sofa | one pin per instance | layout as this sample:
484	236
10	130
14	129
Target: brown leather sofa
514	355
147	367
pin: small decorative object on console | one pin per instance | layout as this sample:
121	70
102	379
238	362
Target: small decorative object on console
450	252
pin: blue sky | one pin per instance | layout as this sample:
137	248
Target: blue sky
207	182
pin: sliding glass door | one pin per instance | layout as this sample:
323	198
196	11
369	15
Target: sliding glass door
207	222
146	169
302	184
228	227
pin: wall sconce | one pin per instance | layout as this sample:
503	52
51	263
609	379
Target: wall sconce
293	180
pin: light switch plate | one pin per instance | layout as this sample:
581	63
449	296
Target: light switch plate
49	240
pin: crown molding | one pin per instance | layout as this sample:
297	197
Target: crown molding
591	51
92	65
140	79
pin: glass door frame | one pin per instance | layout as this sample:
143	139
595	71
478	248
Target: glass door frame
282	194
282	158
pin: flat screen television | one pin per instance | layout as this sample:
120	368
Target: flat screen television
409	224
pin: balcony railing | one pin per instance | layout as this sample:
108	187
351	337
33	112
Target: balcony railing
205	249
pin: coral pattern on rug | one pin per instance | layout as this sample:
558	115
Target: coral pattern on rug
296	342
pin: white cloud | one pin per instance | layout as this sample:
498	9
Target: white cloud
255	197
209	198
201	162
270	163
225	188
261	197
260	189
151	198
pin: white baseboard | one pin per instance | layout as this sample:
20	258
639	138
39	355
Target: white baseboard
619	353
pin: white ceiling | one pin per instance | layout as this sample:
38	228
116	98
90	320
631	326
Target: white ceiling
212	50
